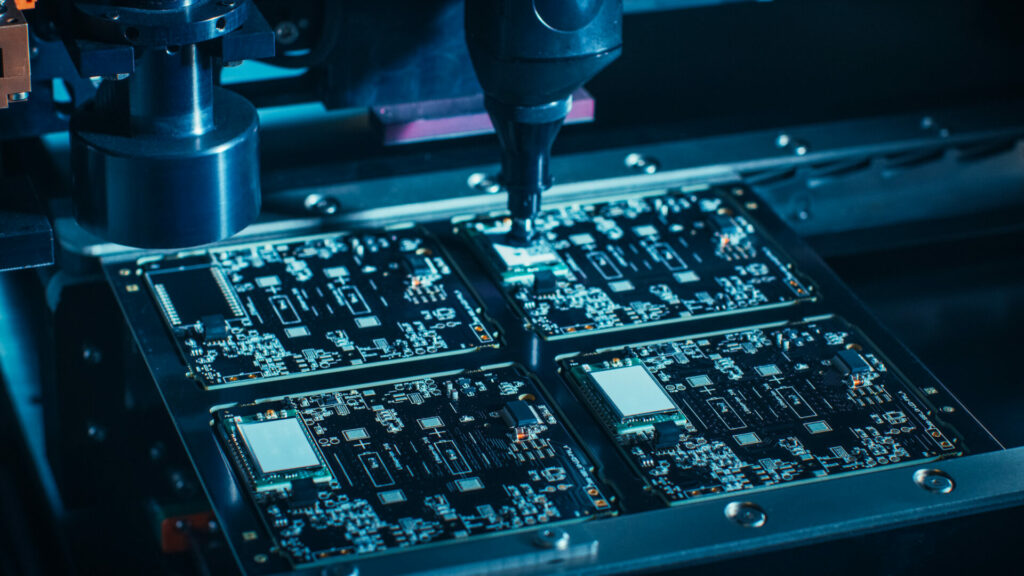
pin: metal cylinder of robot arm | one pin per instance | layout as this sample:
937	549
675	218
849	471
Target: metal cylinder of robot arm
536	52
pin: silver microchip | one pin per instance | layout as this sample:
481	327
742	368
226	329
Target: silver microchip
818	427
354	434
746	439
469	484
279	445
391	497
698	381
430	423
631	391
768	370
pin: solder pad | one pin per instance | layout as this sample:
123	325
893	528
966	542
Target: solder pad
246	313
763	406
637	261
414	463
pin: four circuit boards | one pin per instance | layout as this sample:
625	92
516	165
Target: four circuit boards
364	468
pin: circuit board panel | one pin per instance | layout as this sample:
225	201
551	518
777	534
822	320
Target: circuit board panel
269	310
385	467
756	408
637	261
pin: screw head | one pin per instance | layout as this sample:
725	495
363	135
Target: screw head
286	32
746	514
934	481
552	538
322	205
483	183
640	163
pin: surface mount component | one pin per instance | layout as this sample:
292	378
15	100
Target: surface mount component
636	262
758	407
377	468
268	310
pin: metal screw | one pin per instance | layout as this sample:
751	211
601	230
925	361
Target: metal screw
322	205
640	163
287	32
483	183
746	514
91	354
552	538
935	481
96	433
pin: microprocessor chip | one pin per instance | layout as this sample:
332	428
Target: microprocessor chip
850	362
534	255
279	445
518	413
768	370
186	295
469	484
746	439
631	391
391	496
698	381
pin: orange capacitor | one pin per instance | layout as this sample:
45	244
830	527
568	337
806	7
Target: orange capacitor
25	4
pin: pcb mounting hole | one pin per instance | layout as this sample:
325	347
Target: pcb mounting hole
222	24
131	33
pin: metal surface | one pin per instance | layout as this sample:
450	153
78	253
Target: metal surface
26	236
15	73
644	536
938	186
162	157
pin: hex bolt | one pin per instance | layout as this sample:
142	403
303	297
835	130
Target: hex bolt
746	514
934	481
552	538
640	163
483	183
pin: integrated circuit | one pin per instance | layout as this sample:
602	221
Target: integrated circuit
245	313
758	407
385	467
637	261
